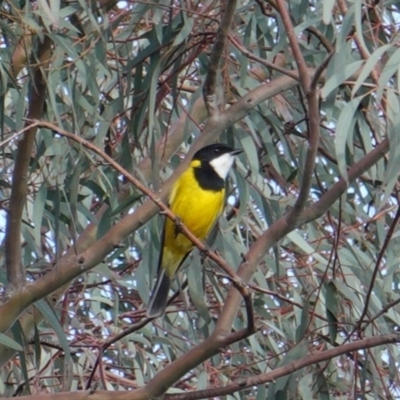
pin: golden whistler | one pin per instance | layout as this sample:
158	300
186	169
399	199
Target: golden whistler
197	198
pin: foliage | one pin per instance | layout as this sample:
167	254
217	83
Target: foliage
101	101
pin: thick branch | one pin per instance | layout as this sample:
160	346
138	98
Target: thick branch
210	83
288	369
312	115
15	270
191	359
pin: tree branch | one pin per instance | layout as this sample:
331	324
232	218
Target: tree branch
310	359
210	83
266	63
288	369
310	89
294	45
13	258
16	134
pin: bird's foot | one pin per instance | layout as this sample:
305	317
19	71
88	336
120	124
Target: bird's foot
178	225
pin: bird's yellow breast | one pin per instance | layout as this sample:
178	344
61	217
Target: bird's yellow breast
197	208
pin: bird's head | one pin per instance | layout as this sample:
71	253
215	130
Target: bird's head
219	156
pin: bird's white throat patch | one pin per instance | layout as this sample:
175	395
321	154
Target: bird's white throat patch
222	164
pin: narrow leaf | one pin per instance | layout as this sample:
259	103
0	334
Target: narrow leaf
11	343
344	129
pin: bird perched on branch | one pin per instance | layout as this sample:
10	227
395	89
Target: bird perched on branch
197	199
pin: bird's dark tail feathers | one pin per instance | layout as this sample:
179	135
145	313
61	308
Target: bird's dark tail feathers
159	296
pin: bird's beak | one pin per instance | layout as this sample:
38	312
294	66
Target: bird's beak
236	152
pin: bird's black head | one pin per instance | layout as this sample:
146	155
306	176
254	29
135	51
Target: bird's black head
213	151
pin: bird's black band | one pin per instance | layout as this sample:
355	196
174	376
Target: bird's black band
207	178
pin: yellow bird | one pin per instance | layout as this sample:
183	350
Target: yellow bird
197	198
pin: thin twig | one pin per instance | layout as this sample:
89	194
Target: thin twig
325	42
284	299
110	341
262	61
319	71
384	310
15	135
377	268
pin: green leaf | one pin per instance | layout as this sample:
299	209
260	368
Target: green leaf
38	210
390	68
18	333
186	30
51	12
195	276
327	7
344	132
304	324
391	173
339	77
358	20
332	310
305	387
127	203
305	247
371	63
51	318
346	27
10	343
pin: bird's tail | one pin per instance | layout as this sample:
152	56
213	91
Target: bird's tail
159	296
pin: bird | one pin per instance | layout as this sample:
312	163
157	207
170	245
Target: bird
197	199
